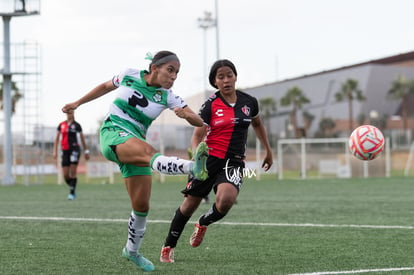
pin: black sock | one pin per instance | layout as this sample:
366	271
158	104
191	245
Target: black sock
211	216
68	181
72	185
176	228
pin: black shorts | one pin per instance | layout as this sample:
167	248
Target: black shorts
219	171
71	156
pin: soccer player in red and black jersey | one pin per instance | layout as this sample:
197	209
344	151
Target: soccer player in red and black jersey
227	115
67	134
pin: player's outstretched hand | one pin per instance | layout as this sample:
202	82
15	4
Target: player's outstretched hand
180	112
267	163
69	108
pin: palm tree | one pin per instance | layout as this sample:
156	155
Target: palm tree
267	107
350	91
294	97
326	127
16	95
400	89
308	119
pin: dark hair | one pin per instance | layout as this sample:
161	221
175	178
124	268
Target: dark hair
217	65
163	57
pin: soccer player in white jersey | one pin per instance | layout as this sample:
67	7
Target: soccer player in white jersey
141	96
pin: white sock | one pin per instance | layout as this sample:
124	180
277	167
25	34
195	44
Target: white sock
171	165
136	231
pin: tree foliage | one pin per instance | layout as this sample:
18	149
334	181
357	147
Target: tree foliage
400	89
267	108
15	96
295	98
349	92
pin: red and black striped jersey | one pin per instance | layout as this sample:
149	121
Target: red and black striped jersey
228	125
69	135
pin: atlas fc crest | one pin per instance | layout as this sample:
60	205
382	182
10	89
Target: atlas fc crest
246	110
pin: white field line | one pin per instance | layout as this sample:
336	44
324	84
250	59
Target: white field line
357	271
249	224
224	223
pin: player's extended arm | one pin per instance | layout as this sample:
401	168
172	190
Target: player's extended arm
189	115
96	92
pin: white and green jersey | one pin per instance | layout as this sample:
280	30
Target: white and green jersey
136	104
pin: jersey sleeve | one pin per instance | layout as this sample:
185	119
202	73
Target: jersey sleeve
175	101
117	79
78	128
255	107
205	112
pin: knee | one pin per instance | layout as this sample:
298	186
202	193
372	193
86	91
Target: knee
149	150
224	204
148	153
190	205
188	211
139	207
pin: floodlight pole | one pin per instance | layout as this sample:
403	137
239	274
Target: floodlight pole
217	31
7	104
8	178
205	23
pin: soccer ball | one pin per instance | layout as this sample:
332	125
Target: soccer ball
366	142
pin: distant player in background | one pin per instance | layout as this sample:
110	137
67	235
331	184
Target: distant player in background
227	116
140	98
67	133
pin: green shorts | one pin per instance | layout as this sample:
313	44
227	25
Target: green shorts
112	135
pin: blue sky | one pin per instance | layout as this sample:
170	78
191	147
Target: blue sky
85	43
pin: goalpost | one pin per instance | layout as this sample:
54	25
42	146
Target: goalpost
321	157
409	160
